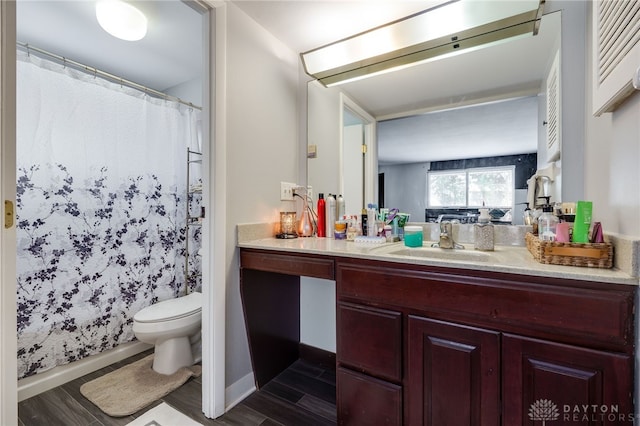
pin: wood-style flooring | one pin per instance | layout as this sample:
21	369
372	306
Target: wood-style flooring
304	394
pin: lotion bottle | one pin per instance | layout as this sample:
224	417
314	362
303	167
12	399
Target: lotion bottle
483	232
547	223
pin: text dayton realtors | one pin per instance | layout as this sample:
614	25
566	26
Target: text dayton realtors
595	413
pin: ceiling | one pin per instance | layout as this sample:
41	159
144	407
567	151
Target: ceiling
508	127
171	52
169	55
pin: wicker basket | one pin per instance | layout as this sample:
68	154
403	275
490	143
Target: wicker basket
592	255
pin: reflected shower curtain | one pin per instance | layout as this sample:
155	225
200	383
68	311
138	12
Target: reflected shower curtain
101	210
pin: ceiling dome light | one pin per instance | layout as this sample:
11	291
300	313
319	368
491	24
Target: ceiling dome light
121	20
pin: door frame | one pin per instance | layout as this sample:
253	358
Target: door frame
369	139
8	319
214	177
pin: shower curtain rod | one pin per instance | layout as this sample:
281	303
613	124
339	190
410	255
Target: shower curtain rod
103	74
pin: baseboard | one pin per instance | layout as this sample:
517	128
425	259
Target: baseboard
36	384
239	390
318	356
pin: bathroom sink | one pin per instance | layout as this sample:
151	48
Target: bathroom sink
469	255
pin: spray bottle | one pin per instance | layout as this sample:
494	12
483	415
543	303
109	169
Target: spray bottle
330	215
321	216
340	207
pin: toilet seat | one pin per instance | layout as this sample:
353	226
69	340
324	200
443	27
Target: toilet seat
172	309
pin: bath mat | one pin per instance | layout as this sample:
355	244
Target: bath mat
134	386
163	415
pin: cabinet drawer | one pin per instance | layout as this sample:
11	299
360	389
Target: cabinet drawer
576	312
291	264
364	400
370	340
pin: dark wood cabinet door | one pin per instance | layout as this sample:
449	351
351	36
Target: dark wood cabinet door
363	400
369	340
453	374
567	384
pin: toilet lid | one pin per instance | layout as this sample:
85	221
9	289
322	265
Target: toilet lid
171	309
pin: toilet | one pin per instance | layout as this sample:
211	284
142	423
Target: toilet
173	326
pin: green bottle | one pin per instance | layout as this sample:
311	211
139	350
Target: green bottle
582	222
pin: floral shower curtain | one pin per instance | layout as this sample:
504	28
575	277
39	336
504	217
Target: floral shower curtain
101	210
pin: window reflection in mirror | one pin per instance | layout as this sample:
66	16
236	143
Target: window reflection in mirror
448	158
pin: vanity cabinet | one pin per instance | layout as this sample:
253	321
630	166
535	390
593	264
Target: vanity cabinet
477	348
440	345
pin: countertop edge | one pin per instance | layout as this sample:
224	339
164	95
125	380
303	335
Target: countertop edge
341	249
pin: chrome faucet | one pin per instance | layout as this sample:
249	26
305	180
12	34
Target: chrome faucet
446	237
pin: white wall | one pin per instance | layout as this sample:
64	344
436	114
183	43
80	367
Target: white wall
324	132
189	91
318	313
405	187
262	151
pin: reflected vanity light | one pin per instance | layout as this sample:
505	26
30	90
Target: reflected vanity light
422	37
121	20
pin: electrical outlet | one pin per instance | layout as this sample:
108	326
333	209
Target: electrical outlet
310	192
286	191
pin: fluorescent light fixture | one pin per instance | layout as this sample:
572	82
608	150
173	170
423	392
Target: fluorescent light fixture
434	33
121	20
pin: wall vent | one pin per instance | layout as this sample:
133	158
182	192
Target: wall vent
553	121
616	51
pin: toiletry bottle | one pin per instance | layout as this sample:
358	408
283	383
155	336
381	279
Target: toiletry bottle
339	207
365	226
330	215
483	232
547	223
372	211
584	210
321	216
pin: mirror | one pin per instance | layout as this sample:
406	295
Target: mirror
515	70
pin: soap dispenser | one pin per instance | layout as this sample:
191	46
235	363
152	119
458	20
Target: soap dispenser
483	231
547	222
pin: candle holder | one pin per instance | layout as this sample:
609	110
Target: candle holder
287	225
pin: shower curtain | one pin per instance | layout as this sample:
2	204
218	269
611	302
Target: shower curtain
101	210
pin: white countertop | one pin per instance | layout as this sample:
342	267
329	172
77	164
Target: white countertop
506	259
